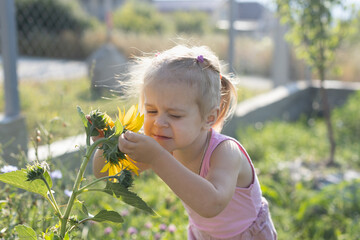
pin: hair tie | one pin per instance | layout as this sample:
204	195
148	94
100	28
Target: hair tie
200	58
220	76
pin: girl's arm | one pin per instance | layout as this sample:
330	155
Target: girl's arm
98	164
208	197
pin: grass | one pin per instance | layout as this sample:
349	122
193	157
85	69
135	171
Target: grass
53	105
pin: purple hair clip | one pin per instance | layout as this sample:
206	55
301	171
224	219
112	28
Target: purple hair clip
200	58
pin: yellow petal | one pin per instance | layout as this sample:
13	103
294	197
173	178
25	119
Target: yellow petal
130	115
121	116
112	170
136	124
106	167
109	121
140	123
130	164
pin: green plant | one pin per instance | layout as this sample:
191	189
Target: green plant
331	213
315	34
51	105
288	156
139	17
191	22
35	178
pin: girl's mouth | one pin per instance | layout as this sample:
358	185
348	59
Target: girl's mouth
160	137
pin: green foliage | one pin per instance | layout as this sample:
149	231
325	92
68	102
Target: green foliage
138	17
347	120
117	189
25	232
19	180
279	142
105	215
51	106
313	30
35	178
142	17
191	22
329	213
288	158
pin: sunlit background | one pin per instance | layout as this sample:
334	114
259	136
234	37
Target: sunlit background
56	55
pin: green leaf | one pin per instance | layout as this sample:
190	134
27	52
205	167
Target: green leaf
83	117
116	189
53	236
84	209
18	179
48	178
25	232
118	127
105	215
67	237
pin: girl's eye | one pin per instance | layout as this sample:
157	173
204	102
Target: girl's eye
175	116
150	111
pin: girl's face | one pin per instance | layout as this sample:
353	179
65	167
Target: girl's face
172	116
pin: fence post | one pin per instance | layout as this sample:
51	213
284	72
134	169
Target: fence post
9	49
12	125
281	56
231	33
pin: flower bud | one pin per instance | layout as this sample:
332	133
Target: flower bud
34	172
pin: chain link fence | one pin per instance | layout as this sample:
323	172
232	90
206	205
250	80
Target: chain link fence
56	29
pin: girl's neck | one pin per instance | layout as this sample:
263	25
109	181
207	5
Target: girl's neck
193	155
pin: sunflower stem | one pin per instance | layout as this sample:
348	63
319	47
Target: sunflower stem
93	182
52	200
89	151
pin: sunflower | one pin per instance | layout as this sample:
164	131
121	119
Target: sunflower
100	122
132	120
117	166
117	161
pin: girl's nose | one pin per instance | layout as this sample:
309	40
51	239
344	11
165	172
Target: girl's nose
161	122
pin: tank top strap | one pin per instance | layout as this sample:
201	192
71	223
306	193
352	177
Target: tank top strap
215	139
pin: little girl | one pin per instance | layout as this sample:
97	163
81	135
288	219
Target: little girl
186	99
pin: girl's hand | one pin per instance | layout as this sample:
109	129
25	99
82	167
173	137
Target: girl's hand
140	148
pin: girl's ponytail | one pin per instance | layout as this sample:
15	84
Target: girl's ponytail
228	102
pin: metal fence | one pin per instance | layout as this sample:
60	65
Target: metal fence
53	28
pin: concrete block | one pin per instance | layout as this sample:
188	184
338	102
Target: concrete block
104	65
287	103
14	137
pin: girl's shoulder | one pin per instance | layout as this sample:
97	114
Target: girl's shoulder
228	149
230	152
224	147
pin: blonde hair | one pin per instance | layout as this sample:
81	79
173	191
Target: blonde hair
181	64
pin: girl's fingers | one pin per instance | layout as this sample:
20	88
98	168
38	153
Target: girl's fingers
125	145
130	136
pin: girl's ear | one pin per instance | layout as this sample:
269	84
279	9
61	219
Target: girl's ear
211	118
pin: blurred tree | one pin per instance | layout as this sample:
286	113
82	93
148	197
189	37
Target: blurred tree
139	16
192	22
315	34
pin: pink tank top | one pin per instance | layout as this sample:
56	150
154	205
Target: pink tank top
242	209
